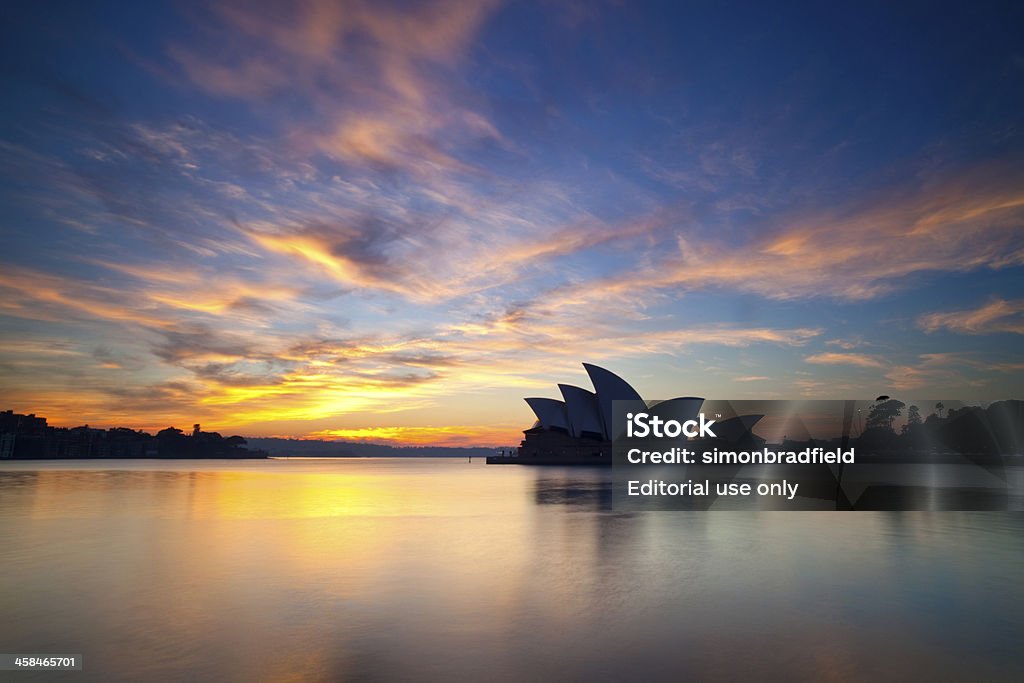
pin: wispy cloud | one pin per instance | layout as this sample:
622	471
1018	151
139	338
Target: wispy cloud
998	315
936	370
846	344
965	224
858	359
239	371
369	73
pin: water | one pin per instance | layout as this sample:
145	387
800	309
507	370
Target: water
399	569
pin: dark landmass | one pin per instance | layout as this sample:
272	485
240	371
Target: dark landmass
28	437
997	429
318	448
984	435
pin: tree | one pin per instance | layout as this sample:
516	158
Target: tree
170	442
939	408
884	413
914	427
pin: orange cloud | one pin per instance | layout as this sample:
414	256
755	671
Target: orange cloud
442	262
35	295
858	359
996	316
333	260
934	369
190	359
965	224
365	69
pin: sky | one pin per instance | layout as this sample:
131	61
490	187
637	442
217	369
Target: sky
394	221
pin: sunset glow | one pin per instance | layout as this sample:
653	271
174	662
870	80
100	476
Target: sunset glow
364	221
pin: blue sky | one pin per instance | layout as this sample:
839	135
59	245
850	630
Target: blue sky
394	220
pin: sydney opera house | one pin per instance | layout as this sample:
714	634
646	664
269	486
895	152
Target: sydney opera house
578	428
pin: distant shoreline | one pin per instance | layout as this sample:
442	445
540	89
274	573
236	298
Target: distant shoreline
264	457
30	437
319	448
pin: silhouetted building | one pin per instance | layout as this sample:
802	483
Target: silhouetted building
23	435
578	429
28	437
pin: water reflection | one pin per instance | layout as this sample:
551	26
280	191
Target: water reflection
585	488
440	570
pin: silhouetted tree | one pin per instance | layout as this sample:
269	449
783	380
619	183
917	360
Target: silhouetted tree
913	419
1006	419
170	442
914	429
967	430
883	414
878	433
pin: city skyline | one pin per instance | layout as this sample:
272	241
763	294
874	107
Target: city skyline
393	222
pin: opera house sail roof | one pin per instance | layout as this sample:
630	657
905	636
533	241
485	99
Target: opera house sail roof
578	428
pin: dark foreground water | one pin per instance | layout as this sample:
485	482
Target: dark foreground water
441	570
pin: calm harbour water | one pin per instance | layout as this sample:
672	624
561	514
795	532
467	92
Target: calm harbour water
437	569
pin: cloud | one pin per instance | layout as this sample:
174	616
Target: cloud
427	260
369	73
936	370
998	315
845	344
348	256
249	78
967	223
35	295
958	373
198	341
858	359
948	370
230	370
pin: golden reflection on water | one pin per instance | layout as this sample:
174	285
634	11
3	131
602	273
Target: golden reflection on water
249	494
434	570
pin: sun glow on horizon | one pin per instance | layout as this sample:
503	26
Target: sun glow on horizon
428	435
394	224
